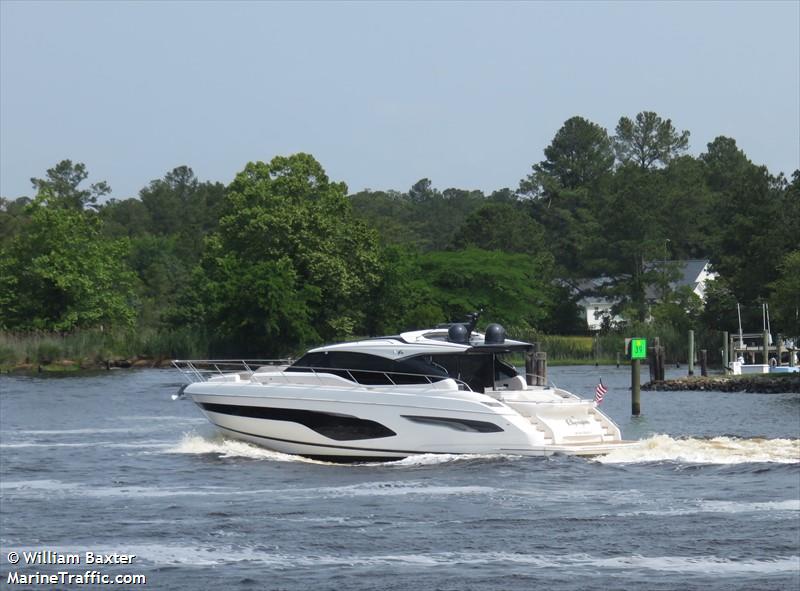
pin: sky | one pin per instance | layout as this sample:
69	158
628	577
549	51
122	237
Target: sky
467	94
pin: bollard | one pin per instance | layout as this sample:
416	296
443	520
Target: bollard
691	352
636	407
703	362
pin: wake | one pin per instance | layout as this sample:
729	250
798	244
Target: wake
658	448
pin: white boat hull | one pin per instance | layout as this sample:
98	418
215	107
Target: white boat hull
343	423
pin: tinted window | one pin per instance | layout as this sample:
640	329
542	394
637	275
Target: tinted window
371	369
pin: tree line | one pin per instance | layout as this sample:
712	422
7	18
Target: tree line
283	256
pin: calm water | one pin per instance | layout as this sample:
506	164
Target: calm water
109	463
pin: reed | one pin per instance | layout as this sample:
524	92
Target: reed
92	347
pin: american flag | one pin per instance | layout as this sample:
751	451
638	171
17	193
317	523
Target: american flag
600	392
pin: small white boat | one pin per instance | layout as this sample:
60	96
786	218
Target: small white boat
443	391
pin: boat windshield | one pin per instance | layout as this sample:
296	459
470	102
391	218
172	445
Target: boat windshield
372	369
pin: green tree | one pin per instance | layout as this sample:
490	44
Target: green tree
61	274
127	217
403	300
578	156
746	199
785	298
13	215
685	209
501	226
719	306
390	213
513	289
179	204
648	140
288	239
61	186
631	236
566	189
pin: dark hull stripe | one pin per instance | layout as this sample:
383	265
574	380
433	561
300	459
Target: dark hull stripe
333	426
390	451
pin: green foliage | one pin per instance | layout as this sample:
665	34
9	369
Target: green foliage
579	156
649	140
719	309
126	218
403	299
60	187
501	226
281	257
88	348
13	217
512	288
423	218
61	274
288	263
748	205
786	294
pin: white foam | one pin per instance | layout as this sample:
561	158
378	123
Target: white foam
211	555
755	507
717	450
382	489
46	488
771	509
231	448
37	485
434	459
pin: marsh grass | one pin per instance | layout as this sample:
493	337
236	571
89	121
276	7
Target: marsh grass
94	347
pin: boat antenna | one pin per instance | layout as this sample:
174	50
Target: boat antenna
472	320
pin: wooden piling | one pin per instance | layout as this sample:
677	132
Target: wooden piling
779	349
651	363
636	386
691	352
529	369
617	359
726	359
703	362
540	363
765	348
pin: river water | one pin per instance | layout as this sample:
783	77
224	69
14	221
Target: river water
710	499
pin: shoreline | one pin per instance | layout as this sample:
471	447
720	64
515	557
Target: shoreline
754	384
69	366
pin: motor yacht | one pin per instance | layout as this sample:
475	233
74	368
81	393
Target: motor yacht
447	390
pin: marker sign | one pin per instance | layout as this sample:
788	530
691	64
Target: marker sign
638	348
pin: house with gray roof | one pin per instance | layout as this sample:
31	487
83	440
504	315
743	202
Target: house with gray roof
596	307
